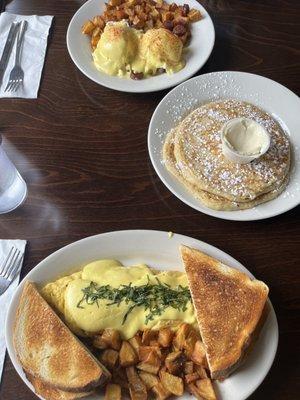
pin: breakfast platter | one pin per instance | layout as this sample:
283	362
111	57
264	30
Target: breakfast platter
148	314
160	251
198	51
230	91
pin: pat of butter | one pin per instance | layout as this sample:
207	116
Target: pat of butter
244	139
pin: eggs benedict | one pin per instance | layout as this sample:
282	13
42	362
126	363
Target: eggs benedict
125	51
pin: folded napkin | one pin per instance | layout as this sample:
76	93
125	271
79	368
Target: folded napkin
5	298
33	53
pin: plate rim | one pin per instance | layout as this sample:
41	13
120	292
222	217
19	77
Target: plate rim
209	249
136	89
231	216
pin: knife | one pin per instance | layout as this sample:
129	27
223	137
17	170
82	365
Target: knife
7	48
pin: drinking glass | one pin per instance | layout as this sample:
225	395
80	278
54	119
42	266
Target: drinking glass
13	189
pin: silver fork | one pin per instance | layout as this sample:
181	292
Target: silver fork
9	268
16	76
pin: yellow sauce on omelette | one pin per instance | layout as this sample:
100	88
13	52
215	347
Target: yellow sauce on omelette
66	293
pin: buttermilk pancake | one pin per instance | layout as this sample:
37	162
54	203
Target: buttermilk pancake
193	153
208	199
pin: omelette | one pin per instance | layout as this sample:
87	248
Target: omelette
105	294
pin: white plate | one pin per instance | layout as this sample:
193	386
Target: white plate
276	99
157	250
203	38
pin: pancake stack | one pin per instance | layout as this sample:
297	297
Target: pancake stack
192	152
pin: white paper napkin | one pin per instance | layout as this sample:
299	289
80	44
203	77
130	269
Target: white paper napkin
33	53
5	298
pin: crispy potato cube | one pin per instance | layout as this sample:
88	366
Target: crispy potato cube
172	383
109	358
137	388
136	343
112	392
114	2
149	380
94	41
189	378
88	28
193	389
148	335
175	362
161	393
194	15
180	336
189	343
98	21
188	367
201	371
112	338
99	343
206	389
181	21
96	32
150	368
149	353
165	337
127	355
199	354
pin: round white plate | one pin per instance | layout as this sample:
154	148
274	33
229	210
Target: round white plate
203	38
157	250
274	98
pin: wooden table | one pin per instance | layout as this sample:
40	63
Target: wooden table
83	152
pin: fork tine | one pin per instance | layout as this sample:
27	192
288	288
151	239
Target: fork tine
6	260
10	263
16	267
14	262
14	86
8	86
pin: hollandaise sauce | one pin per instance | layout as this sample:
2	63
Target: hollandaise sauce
105	294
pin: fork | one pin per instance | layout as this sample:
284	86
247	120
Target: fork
10	268
16	76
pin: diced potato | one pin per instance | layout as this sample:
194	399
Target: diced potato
193	389
127	355
165	337
206	389
112	338
152	369
137	388
136	343
201	371
109	358
199	355
189	343
149	353
149	380
172	383
88	28
189	378
161	393
98	21
194	15
112	392
188	367
99	343
175	362
115	2
148	335
180	336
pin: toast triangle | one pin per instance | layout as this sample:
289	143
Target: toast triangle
49	351
228	306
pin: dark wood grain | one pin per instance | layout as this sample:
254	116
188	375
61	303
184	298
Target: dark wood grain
83	152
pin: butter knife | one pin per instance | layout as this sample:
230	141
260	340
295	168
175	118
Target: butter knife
7	48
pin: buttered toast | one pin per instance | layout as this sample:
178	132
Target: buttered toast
228	305
48	350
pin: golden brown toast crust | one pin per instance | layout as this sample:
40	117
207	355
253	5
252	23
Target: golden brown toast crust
48	393
48	350
228	305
